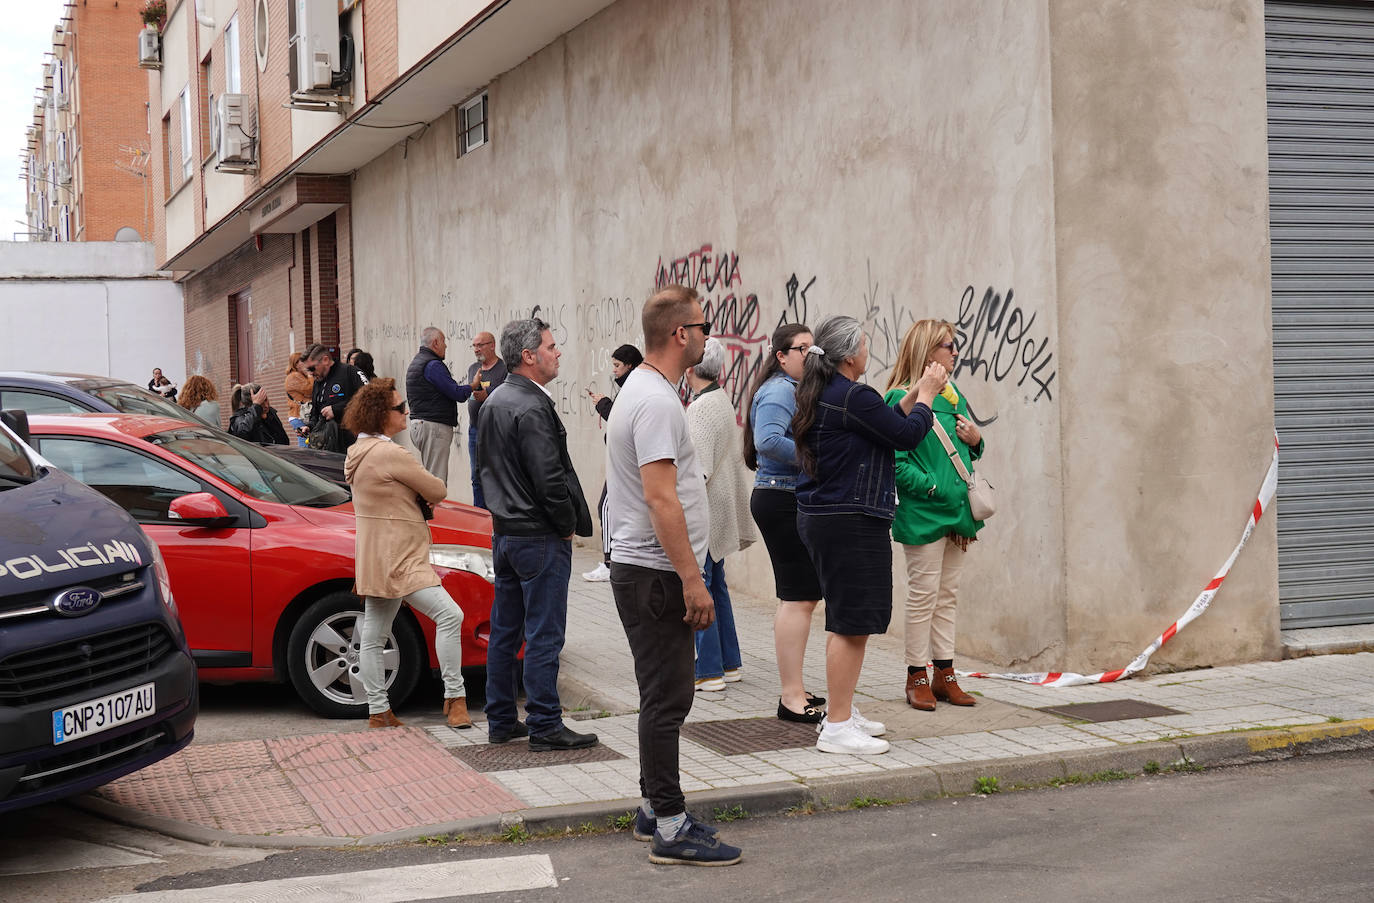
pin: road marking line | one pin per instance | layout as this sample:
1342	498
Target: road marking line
1311	733
390	885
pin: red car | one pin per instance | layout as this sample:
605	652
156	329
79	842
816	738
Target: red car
261	555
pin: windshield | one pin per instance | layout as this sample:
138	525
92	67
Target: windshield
130	399
249	468
15	467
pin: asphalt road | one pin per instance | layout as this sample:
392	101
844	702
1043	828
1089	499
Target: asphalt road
1298	829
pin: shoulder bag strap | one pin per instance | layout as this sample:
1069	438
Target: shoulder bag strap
952	452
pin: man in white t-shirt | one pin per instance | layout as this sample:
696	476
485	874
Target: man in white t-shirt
660	526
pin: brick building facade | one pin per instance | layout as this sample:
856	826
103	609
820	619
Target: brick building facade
88	147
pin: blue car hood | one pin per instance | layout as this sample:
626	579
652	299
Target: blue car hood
56	531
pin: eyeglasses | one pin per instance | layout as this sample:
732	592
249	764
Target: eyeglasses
704	327
948	346
802	348
399	408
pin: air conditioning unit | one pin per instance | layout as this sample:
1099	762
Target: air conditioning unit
63	101
314	57
149	49
235	146
64	172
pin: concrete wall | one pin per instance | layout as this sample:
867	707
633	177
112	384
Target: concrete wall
89	307
1161	223
891	161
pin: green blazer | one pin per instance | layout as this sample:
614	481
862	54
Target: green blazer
932	499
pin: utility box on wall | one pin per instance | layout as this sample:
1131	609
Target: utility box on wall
314	27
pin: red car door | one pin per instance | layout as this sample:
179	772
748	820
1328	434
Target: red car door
209	567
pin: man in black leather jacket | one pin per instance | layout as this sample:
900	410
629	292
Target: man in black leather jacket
537	507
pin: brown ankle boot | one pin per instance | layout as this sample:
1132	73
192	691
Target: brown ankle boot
457	711
918	694
946	688
384	719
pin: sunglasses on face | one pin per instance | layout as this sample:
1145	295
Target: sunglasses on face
704	327
399	408
948	346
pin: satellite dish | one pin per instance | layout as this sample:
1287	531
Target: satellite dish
128	233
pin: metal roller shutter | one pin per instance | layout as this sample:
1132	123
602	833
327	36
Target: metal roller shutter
1319	61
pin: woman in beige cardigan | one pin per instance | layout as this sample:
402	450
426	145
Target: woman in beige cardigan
392	560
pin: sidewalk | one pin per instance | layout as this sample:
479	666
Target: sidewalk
365	787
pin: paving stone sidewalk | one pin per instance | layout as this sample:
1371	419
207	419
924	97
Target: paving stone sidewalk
382	785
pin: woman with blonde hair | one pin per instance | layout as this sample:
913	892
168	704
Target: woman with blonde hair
391	564
200	398
298	385
934	523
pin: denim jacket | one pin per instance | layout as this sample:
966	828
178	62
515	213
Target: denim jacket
771	416
854	439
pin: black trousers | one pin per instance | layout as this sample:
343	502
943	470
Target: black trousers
651	607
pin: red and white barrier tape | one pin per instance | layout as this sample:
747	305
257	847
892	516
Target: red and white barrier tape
1059	679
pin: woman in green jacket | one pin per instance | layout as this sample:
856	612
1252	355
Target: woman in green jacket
933	522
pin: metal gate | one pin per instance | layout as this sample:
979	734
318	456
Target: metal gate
1319	61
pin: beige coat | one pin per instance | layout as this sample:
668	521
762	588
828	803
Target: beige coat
392	558
716	435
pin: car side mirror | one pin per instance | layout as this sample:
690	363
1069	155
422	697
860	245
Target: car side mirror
200	509
18	422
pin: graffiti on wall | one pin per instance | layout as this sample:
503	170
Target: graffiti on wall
998	341
263	343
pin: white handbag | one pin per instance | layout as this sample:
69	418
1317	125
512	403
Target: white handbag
982	501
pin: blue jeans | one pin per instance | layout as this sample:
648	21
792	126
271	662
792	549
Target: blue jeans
717	645
297	423
531	605
477	498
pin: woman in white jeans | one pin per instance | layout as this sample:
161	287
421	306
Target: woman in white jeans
392	560
933	523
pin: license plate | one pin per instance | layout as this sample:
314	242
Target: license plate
101	714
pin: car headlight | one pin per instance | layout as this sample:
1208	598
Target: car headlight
464	558
164	582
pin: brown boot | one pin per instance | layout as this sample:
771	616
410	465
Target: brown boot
918	694
384	719
457	711
947	688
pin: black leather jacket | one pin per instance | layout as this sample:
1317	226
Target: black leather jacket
527	475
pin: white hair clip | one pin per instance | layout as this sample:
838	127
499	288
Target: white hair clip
816	349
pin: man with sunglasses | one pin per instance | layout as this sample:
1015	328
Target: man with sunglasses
335	385
660	527
537	506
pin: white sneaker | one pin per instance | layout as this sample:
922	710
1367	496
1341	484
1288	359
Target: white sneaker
733	675
872	728
847	738
710	685
598	574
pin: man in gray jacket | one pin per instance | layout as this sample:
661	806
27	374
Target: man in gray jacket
537	506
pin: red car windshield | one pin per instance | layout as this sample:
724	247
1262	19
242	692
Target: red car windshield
249	468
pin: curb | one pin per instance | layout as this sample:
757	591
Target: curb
910	784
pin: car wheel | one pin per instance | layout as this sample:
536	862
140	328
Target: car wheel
323	650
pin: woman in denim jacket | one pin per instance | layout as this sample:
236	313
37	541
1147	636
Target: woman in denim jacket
846	497
769	450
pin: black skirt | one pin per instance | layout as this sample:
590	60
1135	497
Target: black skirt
852	554
775	512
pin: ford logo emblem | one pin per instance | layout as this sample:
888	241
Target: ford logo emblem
75	602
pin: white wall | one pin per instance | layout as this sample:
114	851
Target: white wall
89	307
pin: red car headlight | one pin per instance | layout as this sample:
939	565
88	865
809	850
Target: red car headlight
472	559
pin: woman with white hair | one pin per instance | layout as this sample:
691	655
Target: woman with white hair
716	435
846	498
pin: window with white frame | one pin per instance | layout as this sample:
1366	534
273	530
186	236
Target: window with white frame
473	128
186	151
232	82
64	224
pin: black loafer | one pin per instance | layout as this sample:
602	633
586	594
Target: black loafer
515	733
563	738
815	701
810	715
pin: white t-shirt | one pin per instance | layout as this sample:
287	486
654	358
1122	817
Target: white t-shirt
648	423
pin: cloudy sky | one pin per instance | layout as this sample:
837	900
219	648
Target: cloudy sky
24	39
